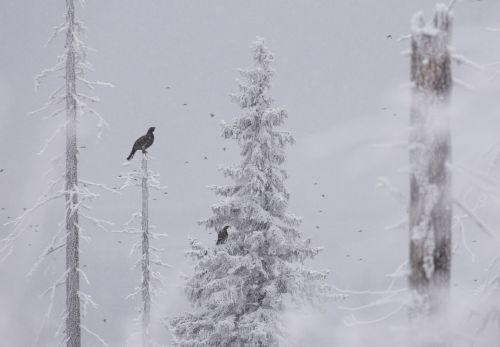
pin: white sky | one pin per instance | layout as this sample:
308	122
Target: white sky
339	76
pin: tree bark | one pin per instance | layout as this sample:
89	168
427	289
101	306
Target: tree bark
430	212
73	330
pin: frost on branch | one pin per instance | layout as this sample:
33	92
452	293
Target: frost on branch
240	288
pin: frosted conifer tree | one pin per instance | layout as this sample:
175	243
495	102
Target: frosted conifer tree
67	99
240	287
430	212
151	280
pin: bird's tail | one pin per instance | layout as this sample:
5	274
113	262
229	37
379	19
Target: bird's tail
131	154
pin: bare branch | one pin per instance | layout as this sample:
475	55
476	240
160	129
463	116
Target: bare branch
53	247
475	174
351	321
403	224
383	182
98	338
495	75
370	292
451	4
84	275
92	84
476	220
59	282
59	66
100	223
7	244
87	299
100	185
58	29
463	60
52	289
405	53
52	138
380	302
463	84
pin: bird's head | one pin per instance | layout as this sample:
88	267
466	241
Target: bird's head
225	228
150	130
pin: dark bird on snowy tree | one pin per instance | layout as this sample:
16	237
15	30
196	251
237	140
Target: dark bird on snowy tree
222	235
142	143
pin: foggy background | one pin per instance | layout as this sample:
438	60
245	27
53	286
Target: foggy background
341	76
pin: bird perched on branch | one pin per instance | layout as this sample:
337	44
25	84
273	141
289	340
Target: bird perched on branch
142	143
222	236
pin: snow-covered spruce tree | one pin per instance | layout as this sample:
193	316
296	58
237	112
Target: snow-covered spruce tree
430	212
67	99
240	288
151	280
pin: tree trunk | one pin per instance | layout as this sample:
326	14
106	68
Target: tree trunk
146	295
430	210
73	332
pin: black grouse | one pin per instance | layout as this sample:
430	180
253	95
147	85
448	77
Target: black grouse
143	142
222	235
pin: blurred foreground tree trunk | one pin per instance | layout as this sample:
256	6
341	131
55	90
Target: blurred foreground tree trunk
430	212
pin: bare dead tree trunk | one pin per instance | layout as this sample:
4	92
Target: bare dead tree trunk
430	210
150	280
145	288
73	329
